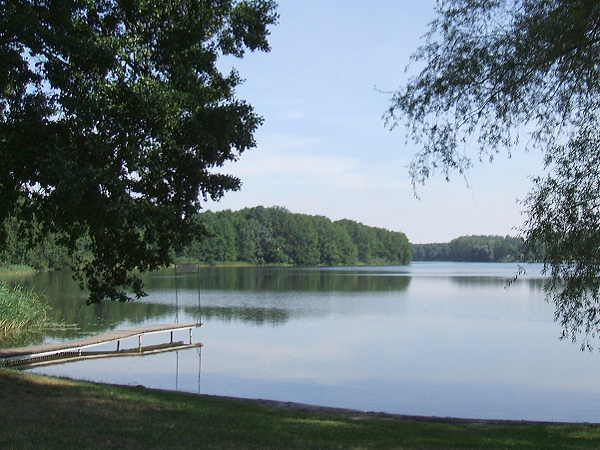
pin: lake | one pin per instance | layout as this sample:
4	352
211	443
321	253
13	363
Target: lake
431	339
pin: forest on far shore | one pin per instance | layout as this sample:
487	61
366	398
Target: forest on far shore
472	249
276	236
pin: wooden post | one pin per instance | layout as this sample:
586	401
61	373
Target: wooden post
140	342
176	298
190	336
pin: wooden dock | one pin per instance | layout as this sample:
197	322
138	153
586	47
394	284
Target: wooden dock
75	349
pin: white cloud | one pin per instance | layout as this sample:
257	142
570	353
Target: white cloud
291	155
293	115
323	148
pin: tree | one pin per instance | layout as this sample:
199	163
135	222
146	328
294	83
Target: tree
220	243
275	235
348	249
113	118
493	71
327	237
472	249
245	239
364	238
430	252
393	248
298	236
269	245
563	229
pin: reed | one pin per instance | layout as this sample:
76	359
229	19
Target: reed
15	269
20	310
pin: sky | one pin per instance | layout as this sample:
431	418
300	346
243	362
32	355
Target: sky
324	149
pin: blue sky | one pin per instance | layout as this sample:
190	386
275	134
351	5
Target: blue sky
323	148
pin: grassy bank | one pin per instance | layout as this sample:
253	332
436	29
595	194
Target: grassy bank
20	310
46	413
14	269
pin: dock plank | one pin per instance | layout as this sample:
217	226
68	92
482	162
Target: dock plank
21	352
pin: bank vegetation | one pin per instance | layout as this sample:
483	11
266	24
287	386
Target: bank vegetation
276	236
472	249
20	311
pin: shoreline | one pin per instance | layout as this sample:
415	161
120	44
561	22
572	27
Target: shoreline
64	414
325	410
358	414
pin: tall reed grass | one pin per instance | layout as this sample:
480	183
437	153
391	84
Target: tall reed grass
20	310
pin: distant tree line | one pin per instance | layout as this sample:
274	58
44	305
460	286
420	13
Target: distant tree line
472	249
256	235
277	236
40	254
274	235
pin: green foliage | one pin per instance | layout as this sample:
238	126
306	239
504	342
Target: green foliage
494	70
493	67
114	117
40	254
430	252
276	236
563	231
335	245
377	245
220	243
20	310
363	237
472	249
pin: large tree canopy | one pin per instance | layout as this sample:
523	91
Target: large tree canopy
493	72
113	119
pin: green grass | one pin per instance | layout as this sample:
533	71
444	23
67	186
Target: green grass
15	269
20	310
46	413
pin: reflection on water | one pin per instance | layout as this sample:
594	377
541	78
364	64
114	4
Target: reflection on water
72	318
68	308
271	295
257	316
443	339
281	279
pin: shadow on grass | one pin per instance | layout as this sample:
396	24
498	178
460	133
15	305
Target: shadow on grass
48	413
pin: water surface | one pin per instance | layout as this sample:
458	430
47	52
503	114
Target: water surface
435	339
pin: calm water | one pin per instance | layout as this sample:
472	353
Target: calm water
435	339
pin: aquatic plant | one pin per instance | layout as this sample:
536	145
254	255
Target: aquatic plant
20	310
